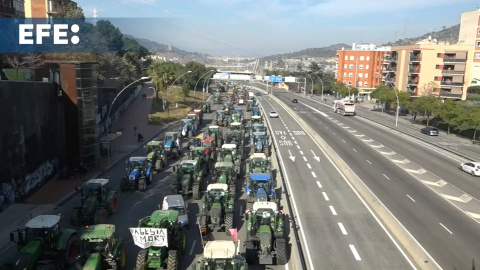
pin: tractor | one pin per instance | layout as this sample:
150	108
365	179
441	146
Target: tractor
217	99
256	120
172	145
220	118
140	174
106	249
42	244
255	111
258	127
221	255
237	138
188	128
224	173
266	240
257	163
156	154
210	147
202	156
97	200
230	153
206	107
236	118
250	104
189	178
235	126
170	245
196	117
259	143
198	112
216	133
217	209
228	107
260	187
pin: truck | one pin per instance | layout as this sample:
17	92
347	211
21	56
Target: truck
344	107
251	95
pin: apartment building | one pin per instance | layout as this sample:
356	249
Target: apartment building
44	8
470	35
429	68
12	8
362	66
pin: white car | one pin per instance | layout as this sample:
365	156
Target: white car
241	102
273	114
175	202
472	168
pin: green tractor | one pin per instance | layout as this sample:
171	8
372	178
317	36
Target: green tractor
217	209
221	255
224	173
216	133
156	155
257	163
250	104
236	137
189	178
235	126
217	99
199	154
229	153
97	200
228	107
206	107
266	241
42	244
104	250
221	118
162	240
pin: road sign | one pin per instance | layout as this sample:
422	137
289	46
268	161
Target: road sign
274	78
226	73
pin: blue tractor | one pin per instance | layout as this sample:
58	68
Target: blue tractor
255	111
259	143
187	128
172	145
140	174
260	187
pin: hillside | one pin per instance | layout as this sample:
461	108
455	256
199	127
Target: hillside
449	35
154	47
323	52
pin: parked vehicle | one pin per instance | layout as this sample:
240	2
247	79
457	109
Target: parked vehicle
431	131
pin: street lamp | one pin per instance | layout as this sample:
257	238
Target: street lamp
195	90
396	95
110	109
205	81
166	97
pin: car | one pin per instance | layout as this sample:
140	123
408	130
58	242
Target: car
273	114
241	101
431	131
176	202
472	168
294	100
258	94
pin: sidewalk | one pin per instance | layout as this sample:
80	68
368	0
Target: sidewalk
55	191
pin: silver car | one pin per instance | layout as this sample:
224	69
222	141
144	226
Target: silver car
175	202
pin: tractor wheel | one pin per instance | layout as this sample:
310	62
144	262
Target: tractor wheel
72	250
158	165
196	191
203	224
250	252
282	253
249	206
100	216
267	151
124	184
150	178
141	259
175	153
223	122
228	223
74	219
233	190
121	262
142	184
113	205
172	261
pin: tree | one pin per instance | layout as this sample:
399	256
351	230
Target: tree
473	90
163	74
472	117
403	98
20	61
111	34
315	67
449	111
427	88
384	94
197	69
133	47
111	66
185	90
427	105
70	10
300	66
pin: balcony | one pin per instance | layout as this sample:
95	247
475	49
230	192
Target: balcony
450	83
453	59
412	82
449	94
451	71
414	70
390	69
54	10
415	58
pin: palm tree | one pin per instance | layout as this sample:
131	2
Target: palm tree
161	79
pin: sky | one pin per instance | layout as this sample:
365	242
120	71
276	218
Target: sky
257	28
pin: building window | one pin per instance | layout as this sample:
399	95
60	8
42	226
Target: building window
352	57
360	75
350	74
360	66
349	83
346	57
344	82
439	55
350	66
344	74
368	58
437	66
477	56
478	43
366	75
365	84
362	58
367	66
345	66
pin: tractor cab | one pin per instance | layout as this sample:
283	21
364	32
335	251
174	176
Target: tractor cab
239	111
44	230
258	163
187	167
215	132
259	127
216	192
265	212
189	176
172	144
101	239
206	107
137	163
220	255
235	137
236	126
260	188
229	152
256	119
94	187
221	117
154	146
193	116
255	111
188	126
210	146
224	172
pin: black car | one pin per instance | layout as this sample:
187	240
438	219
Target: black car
258	94
294	100
431	131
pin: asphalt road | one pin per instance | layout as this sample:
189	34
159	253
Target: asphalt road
440	225
339	231
134	205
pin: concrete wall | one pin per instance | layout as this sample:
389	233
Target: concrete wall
32	146
468	27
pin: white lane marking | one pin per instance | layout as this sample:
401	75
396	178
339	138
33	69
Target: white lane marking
344	141
326	127
445	228
295	142
363	201
309	167
342	228
325	196
333	210
301	152
293	138
334	133
410	198
386	177
314	175
369	161
319	184
354	149
304	158
298	146
193	246
355	253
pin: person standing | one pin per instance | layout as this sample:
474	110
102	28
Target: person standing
134	130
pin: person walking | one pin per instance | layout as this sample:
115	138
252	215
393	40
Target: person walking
134	130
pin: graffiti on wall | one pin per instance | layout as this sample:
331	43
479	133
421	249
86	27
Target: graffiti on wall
38	177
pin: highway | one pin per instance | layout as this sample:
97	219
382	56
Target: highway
419	183
335	226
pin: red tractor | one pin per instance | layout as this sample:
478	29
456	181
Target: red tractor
210	147
199	112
